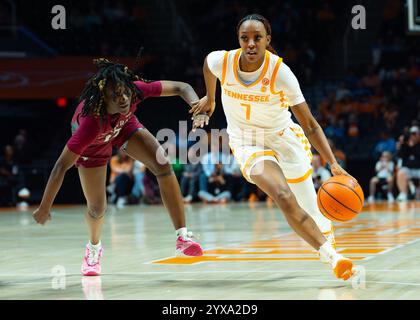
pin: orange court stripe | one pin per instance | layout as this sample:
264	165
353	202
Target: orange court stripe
235	68
193	260
270	246
242	251
302	178
225	58
362	251
273	77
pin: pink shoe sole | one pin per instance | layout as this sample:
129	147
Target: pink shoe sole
91	273
193	250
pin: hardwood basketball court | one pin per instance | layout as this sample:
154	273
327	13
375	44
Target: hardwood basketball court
250	253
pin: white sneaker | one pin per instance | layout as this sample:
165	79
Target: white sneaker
121	203
188	198
402	197
391	198
371	199
343	267
412	187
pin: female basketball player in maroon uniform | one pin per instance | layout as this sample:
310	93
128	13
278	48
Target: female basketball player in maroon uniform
105	118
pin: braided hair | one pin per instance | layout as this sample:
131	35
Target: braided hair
94	89
264	21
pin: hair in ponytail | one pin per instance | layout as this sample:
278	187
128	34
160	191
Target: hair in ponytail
264	21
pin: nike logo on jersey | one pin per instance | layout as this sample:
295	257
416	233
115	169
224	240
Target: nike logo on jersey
230	84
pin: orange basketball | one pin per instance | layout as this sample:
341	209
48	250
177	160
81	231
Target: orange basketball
340	198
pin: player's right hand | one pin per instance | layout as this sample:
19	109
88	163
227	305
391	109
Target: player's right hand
337	170
41	216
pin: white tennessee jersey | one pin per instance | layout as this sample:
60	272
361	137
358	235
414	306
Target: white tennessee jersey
262	104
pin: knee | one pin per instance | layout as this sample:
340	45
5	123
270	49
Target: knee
285	199
163	170
96	211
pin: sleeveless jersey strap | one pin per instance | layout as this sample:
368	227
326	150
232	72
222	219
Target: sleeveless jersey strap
225	61
273	76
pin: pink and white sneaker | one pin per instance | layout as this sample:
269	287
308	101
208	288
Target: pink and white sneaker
91	263
186	246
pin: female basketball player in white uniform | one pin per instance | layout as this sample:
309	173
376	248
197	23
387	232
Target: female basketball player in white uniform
257	90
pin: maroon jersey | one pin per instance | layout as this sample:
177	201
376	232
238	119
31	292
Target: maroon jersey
93	139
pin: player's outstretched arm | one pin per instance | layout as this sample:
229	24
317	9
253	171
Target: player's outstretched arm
178	88
316	136
64	162
186	92
207	104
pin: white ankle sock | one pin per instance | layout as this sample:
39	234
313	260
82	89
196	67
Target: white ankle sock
95	246
327	251
182	232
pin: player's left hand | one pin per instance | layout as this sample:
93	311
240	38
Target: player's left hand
337	170
200	120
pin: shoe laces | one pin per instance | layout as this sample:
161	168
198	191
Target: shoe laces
191	236
93	256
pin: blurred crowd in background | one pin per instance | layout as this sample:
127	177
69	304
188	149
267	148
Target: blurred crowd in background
371	110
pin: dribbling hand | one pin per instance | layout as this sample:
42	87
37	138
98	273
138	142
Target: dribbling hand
41	216
337	170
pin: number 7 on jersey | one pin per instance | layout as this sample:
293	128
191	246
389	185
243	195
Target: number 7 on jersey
248	110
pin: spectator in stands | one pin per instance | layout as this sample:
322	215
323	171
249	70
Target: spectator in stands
384	175
353	131
208	162
189	178
327	107
386	143
21	148
335	130
151	188
408	147
236	183
137	192
390	117
338	153
319	173
342	91
217	187
371	80
121	178
351	79
177	166
8	177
